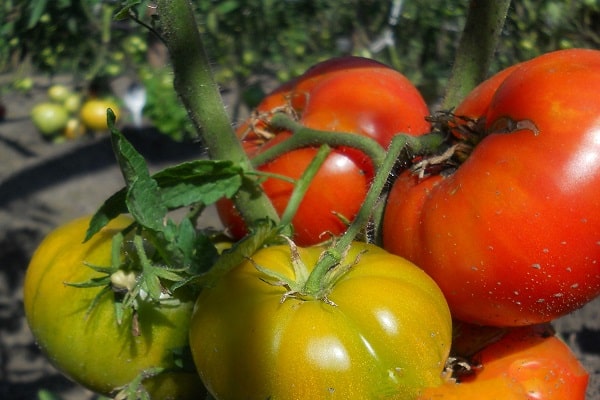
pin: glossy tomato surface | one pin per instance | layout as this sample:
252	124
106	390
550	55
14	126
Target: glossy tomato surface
386	335
89	346
513	236
351	95
527	363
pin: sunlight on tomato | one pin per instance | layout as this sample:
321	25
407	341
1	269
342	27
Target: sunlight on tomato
387	336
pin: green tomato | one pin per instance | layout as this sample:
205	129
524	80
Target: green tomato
89	346
72	102
385	332
58	93
49	118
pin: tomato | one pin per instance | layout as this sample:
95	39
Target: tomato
512	236
49	118
527	363
348	94
58	93
93	349
93	113
385	333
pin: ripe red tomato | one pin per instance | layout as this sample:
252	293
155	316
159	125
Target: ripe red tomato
349	94
527	363
513	235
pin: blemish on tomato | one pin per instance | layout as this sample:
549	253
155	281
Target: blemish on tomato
536	266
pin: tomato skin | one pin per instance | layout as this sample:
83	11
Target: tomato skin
349	94
512	236
525	364
93	349
388	335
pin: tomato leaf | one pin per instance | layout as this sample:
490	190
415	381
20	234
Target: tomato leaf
143	198
263	232
200	181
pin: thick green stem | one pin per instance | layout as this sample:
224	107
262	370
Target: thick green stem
200	94
305	137
303	184
485	20
332	256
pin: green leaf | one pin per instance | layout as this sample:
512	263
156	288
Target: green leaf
263	232
143	198
199	181
145	204
132	164
110	209
38	9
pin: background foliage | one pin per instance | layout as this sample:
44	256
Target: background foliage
276	38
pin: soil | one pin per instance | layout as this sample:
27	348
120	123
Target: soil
43	185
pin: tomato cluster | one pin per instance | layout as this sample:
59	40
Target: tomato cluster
484	241
67	115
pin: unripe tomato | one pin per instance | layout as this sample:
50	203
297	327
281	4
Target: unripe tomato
89	346
58	93
49	118
73	129
72	102
385	334
93	113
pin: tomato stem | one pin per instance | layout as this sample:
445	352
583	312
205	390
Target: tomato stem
317	284
303	184
304	137
195	85
475	52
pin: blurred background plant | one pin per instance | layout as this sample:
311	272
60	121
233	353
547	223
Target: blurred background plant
256	41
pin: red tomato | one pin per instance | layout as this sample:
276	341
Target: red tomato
513	236
349	94
527	363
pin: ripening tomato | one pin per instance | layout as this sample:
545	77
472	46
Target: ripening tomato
513	235
88	345
527	363
384	333
348	94
93	113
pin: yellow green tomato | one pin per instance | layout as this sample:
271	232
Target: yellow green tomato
49	118
384	331
58	93
90	346
93	113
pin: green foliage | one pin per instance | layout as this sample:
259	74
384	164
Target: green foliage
276	38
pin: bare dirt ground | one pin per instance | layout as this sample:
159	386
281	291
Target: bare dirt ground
43	185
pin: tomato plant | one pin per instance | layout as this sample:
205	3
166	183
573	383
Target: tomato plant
349	94
527	363
87	343
383	330
512	235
